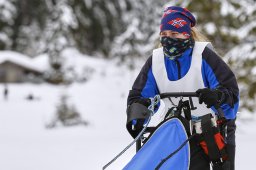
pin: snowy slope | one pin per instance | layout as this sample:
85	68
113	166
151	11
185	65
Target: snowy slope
25	143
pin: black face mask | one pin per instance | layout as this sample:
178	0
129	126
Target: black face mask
174	47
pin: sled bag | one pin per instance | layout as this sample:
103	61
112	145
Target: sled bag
211	140
165	140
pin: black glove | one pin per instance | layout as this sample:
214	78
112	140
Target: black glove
211	97
137	113
144	101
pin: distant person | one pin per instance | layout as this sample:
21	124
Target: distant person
187	63
6	92
30	96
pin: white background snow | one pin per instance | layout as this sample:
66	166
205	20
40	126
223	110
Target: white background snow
25	143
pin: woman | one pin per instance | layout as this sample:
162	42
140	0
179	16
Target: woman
185	64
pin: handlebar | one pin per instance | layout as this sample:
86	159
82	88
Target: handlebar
187	94
178	94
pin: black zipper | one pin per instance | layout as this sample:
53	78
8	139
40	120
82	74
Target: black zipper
179	71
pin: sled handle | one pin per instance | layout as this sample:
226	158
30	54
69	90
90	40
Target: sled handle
178	94
188	94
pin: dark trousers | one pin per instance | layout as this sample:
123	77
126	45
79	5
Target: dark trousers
231	143
200	161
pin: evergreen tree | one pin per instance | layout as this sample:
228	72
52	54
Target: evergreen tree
58	37
142	19
242	57
214	21
231	26
98	23
28	26
8	13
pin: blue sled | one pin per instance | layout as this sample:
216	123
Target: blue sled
168	137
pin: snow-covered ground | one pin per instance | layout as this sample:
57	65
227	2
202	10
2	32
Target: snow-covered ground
25	143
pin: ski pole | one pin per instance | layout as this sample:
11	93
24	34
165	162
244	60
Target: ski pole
154	101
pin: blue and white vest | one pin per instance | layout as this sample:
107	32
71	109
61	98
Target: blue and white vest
189	83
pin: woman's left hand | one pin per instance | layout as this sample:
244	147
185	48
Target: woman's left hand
211	97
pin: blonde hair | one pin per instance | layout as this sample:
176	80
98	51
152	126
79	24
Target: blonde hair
197	35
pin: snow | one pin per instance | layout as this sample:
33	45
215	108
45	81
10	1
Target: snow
72	58
3	37
242	52
88	3
244	30
210	28
26	144
19	59
42	61
7	11
68	17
